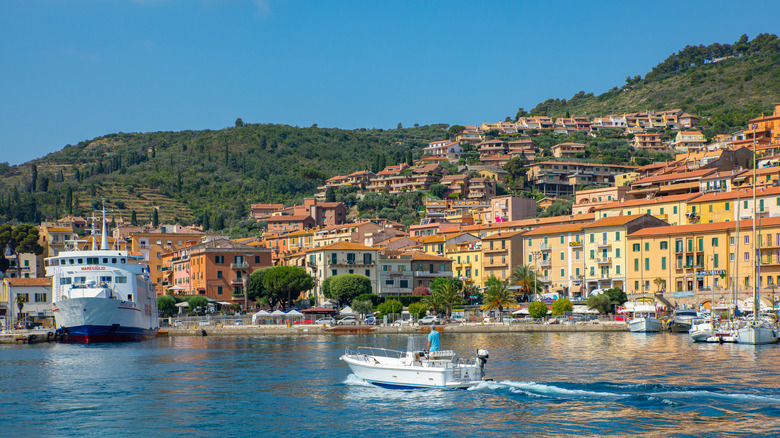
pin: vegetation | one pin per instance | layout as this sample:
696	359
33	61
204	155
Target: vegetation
724	93
347	287
203	177
17	240
282	283
166	304
537	310
498	296
606	301
525	277
417	310
390	307
362	306
561	306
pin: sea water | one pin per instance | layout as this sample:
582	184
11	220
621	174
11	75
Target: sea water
545	384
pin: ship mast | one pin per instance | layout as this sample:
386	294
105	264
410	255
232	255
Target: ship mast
755	265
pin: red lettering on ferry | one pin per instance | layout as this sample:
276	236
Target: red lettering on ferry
93	268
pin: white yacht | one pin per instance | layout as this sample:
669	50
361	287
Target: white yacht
414	368
102	295
644	319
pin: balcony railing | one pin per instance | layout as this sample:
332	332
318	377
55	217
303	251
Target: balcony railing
240	265
351	263
544	247
603	243
544	279
545	262
604	260
237	281
433	274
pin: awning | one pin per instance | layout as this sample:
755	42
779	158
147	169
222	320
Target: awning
183	304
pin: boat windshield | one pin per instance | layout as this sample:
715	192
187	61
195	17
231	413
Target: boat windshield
416	343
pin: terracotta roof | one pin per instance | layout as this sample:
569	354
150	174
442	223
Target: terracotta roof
702	228
675	176
687	197
288	218
503	235
734	194
416	255
28	281
555	229
611	221
343	246
581	164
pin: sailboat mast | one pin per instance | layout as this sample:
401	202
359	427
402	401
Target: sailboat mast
755	276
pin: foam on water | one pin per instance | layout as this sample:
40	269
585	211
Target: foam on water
353	380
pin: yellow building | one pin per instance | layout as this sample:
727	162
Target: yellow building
733	205
702	259
672	209
555	253
605	249
501	252
625	179
467	261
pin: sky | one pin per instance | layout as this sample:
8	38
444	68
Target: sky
73	70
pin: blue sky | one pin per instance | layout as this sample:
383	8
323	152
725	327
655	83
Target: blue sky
76	69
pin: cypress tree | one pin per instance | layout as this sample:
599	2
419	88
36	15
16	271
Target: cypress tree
155	219
133	218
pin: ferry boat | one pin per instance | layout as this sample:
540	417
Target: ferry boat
102	295
415	368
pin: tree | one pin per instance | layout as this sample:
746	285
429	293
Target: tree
438	190
601	302
400	126
166	305
284	282
498	296
346	287
390	307
537	310
69	200
434	301
525	277
455	130
448	289
659	283
330	194
20	300
197	301
364	307
133	218
417	310
255	288
520	113
561	306
18	240
155	219
34	177
239	122
617	295
420	291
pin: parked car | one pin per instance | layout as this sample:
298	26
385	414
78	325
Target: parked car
326	320
510	320
303	321
239	322
428	320
371	320
528	318
178	323
349	320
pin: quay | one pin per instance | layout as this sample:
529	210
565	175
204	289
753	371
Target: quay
302	330
28	336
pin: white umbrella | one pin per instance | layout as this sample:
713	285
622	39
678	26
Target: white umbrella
183	304
277	312
523	311
294	313
260	314
175	288
347	311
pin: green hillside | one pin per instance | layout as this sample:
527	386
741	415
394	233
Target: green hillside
186	175
725	93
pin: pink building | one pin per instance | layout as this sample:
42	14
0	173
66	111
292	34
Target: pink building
586	201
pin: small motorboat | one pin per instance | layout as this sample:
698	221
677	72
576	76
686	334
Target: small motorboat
415	368
682	320
644	319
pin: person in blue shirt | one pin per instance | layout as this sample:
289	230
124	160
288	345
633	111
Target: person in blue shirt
433	339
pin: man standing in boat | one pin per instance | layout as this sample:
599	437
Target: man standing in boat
433	339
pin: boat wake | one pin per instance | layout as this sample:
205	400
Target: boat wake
353	380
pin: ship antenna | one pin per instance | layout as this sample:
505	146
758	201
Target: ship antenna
104	240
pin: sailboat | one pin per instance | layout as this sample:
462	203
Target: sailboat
757	331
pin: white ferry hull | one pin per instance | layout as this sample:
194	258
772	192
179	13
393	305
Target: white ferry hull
90	320
645	325
756	335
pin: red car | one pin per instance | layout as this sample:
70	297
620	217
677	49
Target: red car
304	321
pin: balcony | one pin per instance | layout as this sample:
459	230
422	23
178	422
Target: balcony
603	243
603	260
350	262
395	290
237	281
165	268
427	274
576	277
489	250
545	262
544	279
240	265
544	247
575	244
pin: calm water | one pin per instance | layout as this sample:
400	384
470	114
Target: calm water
545	384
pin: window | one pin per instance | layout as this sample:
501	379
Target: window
731	240
690	245
747	240
714	241
701	244
617	236
710	208
728	206
563	257
674	209
120	279
617	252
404	283
530	258
679	262
617	269
333	272
562	240
715	261
745	205
636	264
577	272
592	271
635	247
663	263
384	268
664	245
647	246
219	259
219	290
257	259
592	237
530	242
592	254
41	297
219	274
747	256
563	272
368	273
647	264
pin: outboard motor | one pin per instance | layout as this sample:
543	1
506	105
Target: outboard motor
482	358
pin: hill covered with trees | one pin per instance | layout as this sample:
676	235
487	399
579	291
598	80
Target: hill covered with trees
191	175
724	84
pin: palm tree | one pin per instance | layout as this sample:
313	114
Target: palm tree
433	301
498	296
449	294
525	277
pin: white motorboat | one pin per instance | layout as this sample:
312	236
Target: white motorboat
702	329
682	320
414	368
644	319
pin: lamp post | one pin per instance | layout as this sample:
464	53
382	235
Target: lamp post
537	256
